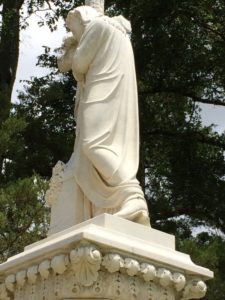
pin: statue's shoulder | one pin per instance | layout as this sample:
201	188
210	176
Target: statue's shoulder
118	22
100	21
107	24
98	26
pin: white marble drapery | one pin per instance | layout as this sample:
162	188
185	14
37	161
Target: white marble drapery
102	169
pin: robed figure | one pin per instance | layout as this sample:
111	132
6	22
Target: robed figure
103	166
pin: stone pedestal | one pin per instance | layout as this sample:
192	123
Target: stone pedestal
105	258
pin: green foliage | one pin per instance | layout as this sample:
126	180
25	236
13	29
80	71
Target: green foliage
10	144
53	10
208	250
179	49
176	46
28	139
185	165
23	215
49	135
8	131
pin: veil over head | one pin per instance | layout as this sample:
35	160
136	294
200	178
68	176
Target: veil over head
87	13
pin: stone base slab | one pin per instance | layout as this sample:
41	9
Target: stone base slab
103	258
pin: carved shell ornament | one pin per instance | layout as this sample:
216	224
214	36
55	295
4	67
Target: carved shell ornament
86	261
92	269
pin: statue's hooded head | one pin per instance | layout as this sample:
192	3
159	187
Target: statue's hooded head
78	18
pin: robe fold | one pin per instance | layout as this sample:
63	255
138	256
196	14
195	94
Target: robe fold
106	152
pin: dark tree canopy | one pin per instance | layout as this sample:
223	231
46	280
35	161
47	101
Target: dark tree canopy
179	49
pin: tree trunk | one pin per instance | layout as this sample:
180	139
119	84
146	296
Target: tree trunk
9	52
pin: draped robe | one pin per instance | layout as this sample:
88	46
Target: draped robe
106	152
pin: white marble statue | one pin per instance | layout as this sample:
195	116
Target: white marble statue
104	164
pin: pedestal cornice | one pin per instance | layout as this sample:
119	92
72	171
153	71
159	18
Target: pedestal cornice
106	257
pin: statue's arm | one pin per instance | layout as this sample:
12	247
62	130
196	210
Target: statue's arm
89	45
68	49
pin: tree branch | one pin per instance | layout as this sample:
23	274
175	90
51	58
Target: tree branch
192	97
46	9
49	5
200	137
205	101
205	25
216	32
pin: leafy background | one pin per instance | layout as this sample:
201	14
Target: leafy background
179	49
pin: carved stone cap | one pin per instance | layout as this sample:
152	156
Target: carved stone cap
89	271
97	4
106	257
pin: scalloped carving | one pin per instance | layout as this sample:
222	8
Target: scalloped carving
164	276
112	262
132	266
82	276
86	262
59	263
32	273
21	278
148	272
43	269
195	289
179	281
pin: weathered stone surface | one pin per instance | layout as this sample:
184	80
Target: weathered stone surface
103	258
